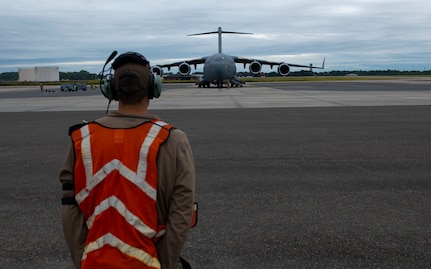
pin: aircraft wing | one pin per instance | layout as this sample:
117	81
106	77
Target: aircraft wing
189	62
283	67
249	61
184	67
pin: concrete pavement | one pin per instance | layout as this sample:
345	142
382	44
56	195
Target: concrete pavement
343	184
252	95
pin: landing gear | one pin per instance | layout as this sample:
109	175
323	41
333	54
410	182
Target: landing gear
203	83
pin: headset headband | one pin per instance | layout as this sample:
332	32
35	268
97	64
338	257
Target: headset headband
129	57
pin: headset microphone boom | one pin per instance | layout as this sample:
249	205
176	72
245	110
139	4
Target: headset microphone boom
104	80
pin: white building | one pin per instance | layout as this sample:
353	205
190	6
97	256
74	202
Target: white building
39	74
27	74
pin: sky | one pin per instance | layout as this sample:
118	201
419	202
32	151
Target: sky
351	35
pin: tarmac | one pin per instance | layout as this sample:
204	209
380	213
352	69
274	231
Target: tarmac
289	175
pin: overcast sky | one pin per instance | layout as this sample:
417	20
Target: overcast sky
352	35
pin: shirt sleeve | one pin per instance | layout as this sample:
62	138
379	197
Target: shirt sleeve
73	221
176	196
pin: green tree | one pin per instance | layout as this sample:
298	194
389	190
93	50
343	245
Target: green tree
9	76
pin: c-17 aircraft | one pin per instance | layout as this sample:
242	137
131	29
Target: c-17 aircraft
220	67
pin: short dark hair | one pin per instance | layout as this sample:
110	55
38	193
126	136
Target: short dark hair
131	77
135	94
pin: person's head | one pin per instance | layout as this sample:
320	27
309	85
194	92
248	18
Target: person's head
131	77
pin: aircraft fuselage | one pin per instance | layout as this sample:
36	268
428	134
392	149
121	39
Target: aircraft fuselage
219	67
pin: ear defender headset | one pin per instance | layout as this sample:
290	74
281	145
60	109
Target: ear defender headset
107	82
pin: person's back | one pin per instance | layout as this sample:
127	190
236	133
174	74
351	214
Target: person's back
128	181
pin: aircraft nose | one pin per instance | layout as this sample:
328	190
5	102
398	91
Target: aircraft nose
213	71
219	68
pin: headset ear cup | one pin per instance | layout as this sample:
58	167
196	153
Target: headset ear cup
105	88
151	86
157	86
113	91
108	88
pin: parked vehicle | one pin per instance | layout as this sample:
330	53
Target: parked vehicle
71	88
80	87
66	87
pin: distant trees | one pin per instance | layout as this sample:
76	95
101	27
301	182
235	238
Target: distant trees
85	75
9	76
388	72
81	75
303	73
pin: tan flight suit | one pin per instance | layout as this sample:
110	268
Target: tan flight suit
175	194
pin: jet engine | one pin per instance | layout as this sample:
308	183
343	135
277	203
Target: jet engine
283	69
184	69
157	70
255	67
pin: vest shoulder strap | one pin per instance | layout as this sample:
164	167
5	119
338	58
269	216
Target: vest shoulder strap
160	123
76	127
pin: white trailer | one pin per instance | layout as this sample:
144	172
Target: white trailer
39	74
27	74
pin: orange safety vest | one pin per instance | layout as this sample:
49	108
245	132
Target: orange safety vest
115	179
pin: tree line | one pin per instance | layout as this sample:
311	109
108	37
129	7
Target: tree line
85	75
304	73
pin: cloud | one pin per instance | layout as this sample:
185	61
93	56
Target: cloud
75	35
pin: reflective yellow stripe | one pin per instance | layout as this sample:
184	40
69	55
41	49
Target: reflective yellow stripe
149	139
133	220
87	159
110	239
160	123
108	168
137	178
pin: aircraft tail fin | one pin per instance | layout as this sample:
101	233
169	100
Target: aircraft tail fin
220	32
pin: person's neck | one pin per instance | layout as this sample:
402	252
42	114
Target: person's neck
139	109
